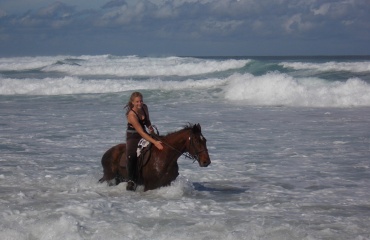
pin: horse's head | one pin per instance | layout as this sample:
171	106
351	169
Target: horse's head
197	146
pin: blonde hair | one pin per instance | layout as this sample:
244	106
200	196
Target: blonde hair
129	105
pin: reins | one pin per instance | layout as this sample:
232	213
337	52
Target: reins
186	154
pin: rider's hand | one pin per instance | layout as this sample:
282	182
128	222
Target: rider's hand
158	145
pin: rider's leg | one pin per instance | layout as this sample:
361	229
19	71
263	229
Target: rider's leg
132	141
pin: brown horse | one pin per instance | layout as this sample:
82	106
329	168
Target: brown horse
161	168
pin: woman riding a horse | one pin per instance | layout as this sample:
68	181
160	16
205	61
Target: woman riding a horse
137	119
160	167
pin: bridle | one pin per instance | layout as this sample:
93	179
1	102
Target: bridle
194	157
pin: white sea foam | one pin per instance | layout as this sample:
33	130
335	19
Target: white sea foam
356	67
75	85
26	63
59	75
276	172
121	66
269	89
281	89
135	66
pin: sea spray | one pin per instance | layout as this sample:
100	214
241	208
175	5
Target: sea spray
283	90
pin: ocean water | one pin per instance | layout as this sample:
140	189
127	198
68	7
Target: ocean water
288	137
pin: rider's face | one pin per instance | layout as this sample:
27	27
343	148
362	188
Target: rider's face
137	102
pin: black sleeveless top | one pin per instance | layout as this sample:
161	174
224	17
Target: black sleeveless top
141	121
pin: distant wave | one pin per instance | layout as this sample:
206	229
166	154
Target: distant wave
106	65
135	66
356	67
25	63
267	83
272	89
75	85
275	88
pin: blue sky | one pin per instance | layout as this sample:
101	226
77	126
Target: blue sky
185	27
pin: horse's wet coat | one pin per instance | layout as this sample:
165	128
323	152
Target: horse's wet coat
162	167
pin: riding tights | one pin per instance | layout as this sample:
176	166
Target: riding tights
132	140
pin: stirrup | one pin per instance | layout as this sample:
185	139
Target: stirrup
131	186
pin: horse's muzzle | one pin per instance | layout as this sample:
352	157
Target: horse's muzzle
204	161
204	164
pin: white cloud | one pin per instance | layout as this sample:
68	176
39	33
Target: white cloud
295	23
257	25
166	12
220	27
122	15
322	10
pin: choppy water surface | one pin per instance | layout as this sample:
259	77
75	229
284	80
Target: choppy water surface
289	142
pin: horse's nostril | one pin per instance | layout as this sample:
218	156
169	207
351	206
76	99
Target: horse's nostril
205	163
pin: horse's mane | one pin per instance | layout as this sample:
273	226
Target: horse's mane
185	127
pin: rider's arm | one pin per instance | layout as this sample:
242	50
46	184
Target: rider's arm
132	119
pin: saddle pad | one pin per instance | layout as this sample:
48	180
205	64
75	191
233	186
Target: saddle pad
142	144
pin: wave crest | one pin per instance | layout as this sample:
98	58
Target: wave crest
121	66
356	67
275	89
75	85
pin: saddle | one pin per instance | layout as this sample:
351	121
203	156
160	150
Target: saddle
143	154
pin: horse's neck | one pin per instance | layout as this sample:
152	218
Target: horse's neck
178	140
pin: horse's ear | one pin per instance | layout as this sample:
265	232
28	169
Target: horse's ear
197	128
